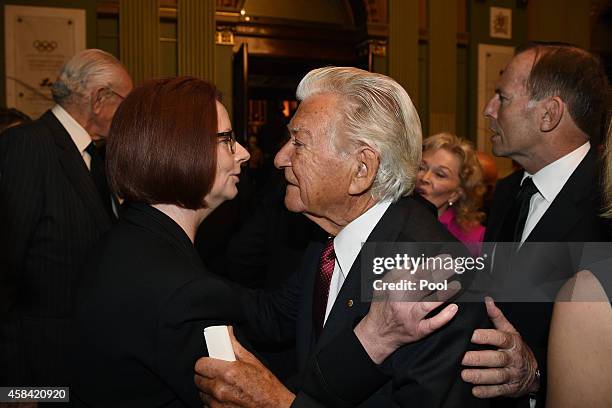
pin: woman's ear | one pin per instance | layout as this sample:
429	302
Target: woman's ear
364	173
456	195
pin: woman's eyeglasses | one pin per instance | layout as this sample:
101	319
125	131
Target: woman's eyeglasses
229	138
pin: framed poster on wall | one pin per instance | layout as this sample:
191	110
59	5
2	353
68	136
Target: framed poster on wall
38	41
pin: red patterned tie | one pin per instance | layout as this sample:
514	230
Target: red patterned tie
322	282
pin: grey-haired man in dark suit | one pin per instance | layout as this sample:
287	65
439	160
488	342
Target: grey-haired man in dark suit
54	206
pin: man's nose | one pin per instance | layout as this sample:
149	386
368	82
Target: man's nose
492	107
283	157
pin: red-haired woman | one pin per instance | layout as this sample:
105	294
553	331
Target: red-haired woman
145	297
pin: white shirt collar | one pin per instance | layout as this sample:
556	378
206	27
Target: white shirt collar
348	242
550	179
79	136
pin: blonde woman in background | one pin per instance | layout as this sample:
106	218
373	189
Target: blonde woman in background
450	178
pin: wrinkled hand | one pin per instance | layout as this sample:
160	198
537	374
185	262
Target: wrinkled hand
397	317
245	382
512	366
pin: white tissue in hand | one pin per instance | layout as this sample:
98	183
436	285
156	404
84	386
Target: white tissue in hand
218	343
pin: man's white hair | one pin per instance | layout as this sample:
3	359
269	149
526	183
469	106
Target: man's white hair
86	70
374	111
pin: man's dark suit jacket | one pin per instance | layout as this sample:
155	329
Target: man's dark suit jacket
571	217
142	304
257	257
51	215
424	374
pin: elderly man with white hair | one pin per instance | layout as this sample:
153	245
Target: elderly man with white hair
54	206
350	165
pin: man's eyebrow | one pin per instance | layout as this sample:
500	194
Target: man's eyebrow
297	129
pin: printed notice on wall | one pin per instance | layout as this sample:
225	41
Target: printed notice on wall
500	23
38	41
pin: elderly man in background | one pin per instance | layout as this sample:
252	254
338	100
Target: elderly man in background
351	166
54	205
548	104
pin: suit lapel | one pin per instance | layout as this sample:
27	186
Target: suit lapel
505	196
305	332
536	264
348	305
549	266
76	171
569	205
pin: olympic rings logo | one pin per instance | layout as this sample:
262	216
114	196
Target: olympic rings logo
44	46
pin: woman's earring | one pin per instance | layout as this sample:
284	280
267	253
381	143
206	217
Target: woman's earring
450	203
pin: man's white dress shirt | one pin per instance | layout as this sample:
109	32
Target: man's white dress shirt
79	136
550	180
347	245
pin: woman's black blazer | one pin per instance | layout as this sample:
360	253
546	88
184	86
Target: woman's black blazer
141	307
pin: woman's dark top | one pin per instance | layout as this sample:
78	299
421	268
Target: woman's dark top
141	308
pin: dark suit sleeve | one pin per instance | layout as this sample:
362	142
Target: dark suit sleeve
198	304
341	374
271	316
246	253
429	371
303	400
21	198
249	250
425	374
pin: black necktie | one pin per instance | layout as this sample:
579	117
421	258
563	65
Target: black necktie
528	189
98	174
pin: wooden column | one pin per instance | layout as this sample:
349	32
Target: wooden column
442	66
224	68
196	38
403	45
139	38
